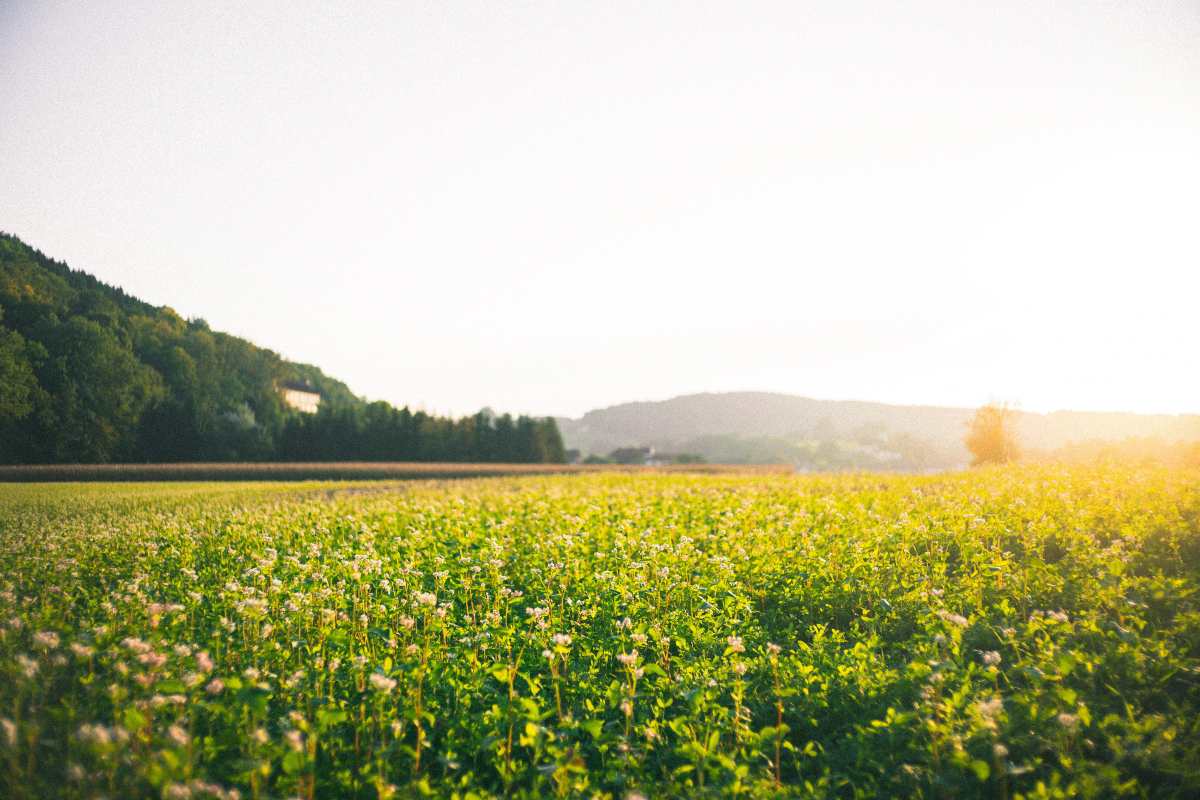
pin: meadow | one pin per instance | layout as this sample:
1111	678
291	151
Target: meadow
1017	632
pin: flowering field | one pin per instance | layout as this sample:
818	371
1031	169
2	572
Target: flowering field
1021	632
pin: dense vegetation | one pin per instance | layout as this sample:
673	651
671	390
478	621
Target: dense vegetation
1015	632
90	374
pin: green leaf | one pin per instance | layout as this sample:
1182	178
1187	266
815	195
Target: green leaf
327	718
133	719
293	762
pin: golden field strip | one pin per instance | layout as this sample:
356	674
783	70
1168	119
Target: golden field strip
342	470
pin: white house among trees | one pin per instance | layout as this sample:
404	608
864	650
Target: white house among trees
301	396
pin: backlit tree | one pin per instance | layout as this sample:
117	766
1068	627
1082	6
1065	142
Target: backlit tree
991	437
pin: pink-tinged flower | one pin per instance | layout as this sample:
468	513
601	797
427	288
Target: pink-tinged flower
735	644
45	640
152	660
95	734
29	667
178	736
954	619
215	686
9	729
990	709
382	683
135	644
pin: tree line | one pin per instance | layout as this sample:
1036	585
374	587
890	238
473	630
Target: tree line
89	374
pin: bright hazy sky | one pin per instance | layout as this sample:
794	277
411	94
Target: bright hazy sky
555	207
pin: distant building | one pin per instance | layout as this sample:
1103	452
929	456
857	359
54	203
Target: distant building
301	396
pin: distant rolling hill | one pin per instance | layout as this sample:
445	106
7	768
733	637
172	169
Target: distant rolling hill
760	427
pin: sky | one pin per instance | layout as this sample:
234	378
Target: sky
554	207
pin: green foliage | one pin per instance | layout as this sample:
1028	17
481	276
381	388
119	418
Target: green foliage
18	384
1014	632
89	374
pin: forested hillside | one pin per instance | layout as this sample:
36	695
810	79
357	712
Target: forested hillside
91	374
762	427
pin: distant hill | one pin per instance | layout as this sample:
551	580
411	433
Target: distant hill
91	374
759	427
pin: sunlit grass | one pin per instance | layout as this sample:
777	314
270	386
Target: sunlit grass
1016	631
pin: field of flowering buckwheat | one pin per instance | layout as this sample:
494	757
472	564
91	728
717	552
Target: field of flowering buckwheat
1018	632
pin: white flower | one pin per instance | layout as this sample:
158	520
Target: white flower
735	644
45	640
178	736
95	734
990	709
382	683
773	648
628	659
562	640
295	740
29	667
152	660
135	644
9	728
215	686
1068	721
991	658
426	599
955	619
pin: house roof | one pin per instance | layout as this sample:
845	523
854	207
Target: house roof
299	386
